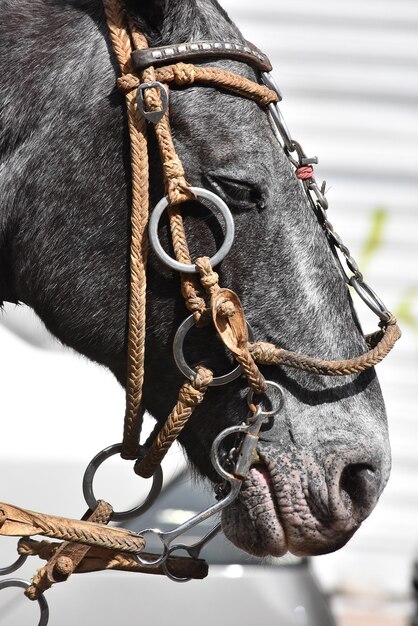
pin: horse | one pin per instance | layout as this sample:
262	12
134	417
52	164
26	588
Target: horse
65	189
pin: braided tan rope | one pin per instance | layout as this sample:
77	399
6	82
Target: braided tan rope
178	191
18	522
67	531
210	282
190	396
66	558
30	547
98	560
268	354
191	292
123	47
186	74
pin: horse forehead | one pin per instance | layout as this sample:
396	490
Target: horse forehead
214	117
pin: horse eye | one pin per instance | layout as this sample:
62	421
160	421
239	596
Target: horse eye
236	193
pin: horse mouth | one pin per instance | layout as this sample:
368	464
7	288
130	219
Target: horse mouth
253	522
272	517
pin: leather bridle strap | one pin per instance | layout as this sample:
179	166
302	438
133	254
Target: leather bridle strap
201	51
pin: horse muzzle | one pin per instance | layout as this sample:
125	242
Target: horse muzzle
293	503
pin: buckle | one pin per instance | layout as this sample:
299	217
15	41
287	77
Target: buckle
152	116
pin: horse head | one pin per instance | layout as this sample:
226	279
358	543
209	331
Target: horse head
325	458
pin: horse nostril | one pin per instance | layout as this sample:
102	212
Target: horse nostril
361	483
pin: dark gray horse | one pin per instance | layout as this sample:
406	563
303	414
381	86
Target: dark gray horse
64	240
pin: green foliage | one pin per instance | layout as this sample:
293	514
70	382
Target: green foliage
405	312
375	238
374	241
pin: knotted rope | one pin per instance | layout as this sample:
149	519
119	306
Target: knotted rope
210	281
66	558
268	354
186	74
190	396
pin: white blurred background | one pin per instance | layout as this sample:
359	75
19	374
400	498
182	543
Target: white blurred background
349	75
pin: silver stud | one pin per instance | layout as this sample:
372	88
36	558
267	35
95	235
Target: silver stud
217	45
182	49
157	54
194	47
206	46
228	46
168	51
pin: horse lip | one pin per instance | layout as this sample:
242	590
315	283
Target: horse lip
257	530
273	492
277	512
261	463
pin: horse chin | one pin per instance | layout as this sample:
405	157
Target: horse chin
271	518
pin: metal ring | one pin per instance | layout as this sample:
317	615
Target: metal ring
214	454
184	267
370	298
15	566
159	559
92	502
43	604
190	373
166	569
269	383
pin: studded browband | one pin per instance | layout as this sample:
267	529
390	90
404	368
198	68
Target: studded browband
247	53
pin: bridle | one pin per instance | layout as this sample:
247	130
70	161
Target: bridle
90	545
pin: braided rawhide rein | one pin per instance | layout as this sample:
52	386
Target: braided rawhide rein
98	560
64	560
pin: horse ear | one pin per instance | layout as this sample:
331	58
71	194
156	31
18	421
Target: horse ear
152	12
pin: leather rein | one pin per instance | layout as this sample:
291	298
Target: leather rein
90	544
